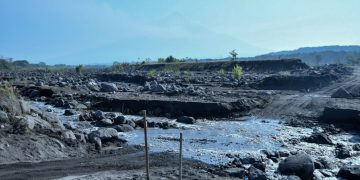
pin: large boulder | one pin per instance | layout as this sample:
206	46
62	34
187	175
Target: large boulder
68	134
4	118
256	174
98	115
108	87
85	117
93	86
25	107
123	128
54	121
26	123
120	120
104	123
186	120
350	172
300	164
342	152
23	125
356	147
319	138
104	134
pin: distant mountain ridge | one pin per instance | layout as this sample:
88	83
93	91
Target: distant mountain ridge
317	55
335	48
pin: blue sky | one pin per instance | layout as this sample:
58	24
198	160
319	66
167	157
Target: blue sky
103	31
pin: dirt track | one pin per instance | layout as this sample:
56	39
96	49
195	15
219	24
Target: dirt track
164	164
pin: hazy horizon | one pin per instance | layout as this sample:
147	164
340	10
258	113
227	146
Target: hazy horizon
101	32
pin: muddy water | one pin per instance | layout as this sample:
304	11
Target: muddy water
215	142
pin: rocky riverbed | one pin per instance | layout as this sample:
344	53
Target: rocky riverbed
297	122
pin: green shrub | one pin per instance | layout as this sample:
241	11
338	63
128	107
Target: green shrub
118	67
79	68
222	72
237	71
152	73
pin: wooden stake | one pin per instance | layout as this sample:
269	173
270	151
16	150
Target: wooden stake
180	157
146	146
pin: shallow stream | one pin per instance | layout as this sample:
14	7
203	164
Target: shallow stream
217	142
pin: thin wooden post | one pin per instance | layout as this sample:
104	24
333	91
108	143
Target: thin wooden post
146	146
180	157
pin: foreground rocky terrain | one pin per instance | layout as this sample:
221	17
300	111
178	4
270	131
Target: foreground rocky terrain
72	126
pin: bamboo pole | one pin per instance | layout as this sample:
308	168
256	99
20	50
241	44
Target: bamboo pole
180	157
146	146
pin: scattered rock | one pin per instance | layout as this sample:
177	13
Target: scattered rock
131	123
326	162
123	128
248	160
92	85
98	144
68	135
108	87
186	120
260	165
300	164
319	138
104	123
318	165
292	178
256	174
24	125
59	103
350	172
342	152
104	134
98	115
81	137
69	112
3	117
120	120
25	108
85	117
110	115
236	172
356	147
54	121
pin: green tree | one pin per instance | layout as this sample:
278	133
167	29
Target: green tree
233	54
170	59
